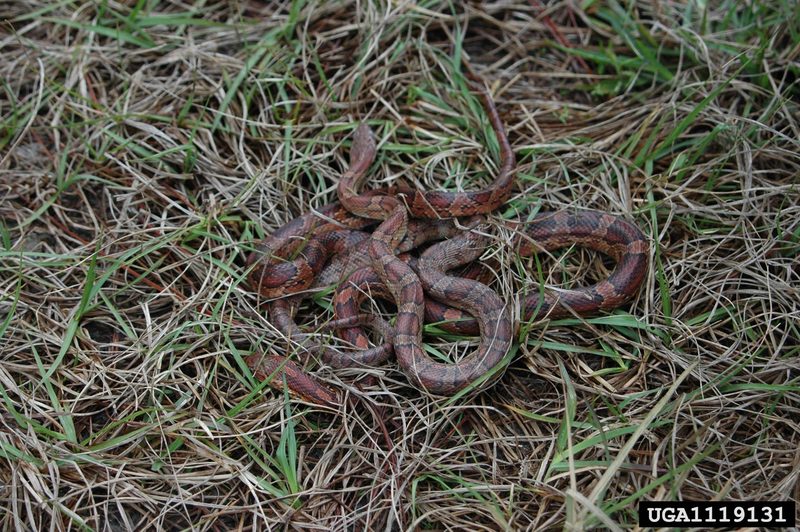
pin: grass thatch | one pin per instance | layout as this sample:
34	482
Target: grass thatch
144	148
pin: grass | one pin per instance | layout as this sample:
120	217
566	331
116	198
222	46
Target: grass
145	148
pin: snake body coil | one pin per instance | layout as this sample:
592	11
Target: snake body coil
331	245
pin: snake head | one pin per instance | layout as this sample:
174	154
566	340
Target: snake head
280	371
362	151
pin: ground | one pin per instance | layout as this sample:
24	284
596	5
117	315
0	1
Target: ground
146	147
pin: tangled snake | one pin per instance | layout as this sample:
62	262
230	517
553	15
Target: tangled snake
331	245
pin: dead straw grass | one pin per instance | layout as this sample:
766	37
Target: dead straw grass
143	152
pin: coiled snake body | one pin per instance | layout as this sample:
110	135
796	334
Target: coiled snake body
377	263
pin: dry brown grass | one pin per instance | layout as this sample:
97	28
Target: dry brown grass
143	152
